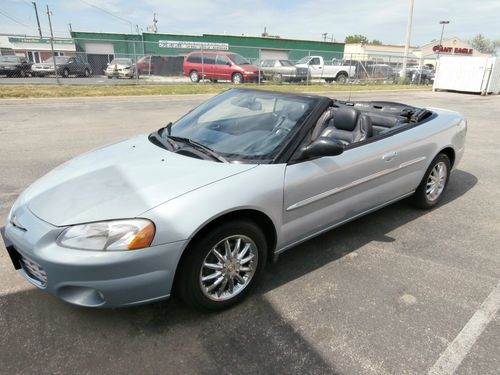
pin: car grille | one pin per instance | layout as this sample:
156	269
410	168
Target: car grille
34	271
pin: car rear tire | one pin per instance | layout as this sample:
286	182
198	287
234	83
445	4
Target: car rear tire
237	78
277	78
341	78
87	73
222	266
65	73
430	191
22	73
194	76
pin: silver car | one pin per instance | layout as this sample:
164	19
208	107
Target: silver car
282	71
200	206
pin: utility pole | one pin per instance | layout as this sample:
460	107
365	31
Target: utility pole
37	19
70	28
155	21
52	46
408	38
324	35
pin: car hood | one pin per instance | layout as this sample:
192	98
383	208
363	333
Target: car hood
118	181
118	66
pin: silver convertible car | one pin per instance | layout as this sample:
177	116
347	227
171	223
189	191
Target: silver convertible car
200	206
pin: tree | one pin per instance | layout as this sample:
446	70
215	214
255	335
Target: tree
482	44
356	38
377	42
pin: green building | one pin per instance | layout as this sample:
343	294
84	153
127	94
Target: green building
101	47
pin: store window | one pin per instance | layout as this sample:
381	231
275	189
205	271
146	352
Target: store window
34	56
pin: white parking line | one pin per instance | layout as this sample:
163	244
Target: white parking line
454	354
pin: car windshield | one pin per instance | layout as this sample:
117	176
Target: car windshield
59	60
286	63
121	62
304	60
238	59
10	59
245	125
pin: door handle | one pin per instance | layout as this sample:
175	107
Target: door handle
389	156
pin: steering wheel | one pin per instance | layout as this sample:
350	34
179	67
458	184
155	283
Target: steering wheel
280	125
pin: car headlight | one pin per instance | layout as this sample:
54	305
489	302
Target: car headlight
109	235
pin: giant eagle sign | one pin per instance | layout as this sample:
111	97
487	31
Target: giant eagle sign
193	45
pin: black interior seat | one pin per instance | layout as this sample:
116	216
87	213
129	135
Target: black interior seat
348	125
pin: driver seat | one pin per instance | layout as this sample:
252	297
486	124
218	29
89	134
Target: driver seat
348	125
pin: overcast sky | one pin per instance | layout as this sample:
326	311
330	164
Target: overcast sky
305	19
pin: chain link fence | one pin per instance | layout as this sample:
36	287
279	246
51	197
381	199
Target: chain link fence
146	62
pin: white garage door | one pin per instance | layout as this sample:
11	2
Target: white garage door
273	54
99	48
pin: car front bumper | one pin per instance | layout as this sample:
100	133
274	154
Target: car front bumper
120	74
90	278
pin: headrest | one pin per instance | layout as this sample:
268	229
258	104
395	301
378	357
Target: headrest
345	118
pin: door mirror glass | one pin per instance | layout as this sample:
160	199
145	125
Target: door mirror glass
323	146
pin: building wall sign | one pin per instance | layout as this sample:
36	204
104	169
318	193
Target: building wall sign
39	40
455	50
193	45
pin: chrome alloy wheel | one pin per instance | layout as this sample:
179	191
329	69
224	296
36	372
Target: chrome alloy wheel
436	181
228	268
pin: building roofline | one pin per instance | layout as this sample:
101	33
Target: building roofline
222	35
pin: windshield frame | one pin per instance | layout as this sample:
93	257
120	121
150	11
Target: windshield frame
275	154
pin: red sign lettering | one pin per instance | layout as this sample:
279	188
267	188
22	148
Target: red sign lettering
456	50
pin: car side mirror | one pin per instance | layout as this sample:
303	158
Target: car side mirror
228	63
323	146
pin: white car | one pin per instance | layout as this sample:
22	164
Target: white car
121	68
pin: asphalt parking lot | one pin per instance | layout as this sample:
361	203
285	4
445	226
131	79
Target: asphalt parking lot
399	291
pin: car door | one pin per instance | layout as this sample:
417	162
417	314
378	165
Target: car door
327	191
72	65
315	67
208	66
222	67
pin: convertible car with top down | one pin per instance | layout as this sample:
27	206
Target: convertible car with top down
199	207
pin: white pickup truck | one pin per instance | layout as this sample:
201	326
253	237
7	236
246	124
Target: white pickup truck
319	69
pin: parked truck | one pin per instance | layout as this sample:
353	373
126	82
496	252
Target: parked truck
320	69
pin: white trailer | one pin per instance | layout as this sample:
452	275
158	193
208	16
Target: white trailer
468	74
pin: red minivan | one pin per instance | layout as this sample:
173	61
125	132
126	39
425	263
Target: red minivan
221	65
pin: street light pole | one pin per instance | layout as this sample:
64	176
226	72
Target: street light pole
441	38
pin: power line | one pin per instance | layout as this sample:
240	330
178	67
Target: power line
5	14
107	12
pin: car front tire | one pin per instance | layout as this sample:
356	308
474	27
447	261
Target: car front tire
222	266
430	191
65	73
237	78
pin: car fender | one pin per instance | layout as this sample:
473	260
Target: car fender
259	189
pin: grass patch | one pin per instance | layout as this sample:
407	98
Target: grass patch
51	91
